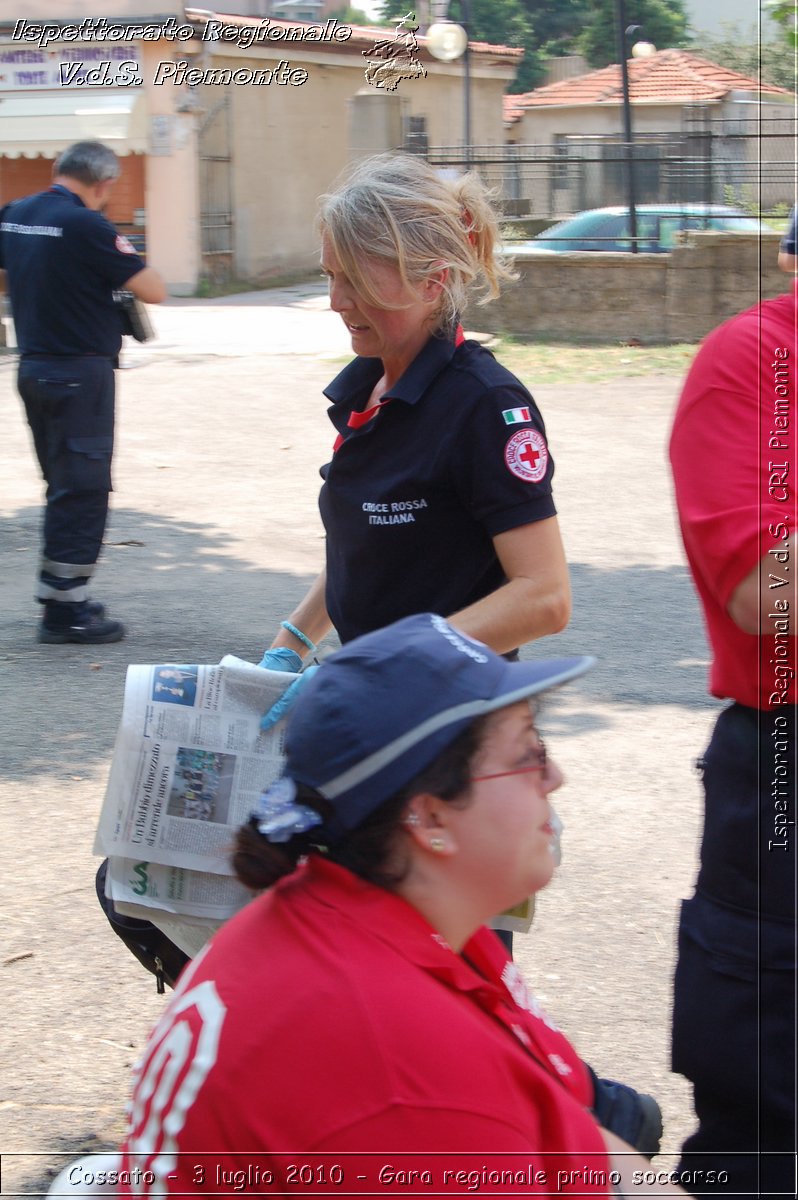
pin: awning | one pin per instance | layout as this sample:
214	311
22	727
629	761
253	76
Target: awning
46	124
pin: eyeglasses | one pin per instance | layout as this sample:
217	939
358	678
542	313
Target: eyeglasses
540	765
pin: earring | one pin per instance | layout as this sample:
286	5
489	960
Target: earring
412	819
436	844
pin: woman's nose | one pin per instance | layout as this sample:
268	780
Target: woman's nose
340	299
552	777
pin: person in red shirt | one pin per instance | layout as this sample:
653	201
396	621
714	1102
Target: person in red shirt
735	470
357	1027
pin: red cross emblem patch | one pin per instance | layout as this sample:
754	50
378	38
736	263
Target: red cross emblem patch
526	455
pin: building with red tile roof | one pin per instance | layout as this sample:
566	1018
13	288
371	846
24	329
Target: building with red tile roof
661	87
702	132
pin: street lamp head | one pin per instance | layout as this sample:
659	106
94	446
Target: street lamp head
641	48
446	41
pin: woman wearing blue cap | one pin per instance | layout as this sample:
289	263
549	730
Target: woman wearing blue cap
357	1028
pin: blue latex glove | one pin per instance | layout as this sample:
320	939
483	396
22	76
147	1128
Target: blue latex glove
289	697
281	659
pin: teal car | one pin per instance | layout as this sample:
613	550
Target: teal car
657	227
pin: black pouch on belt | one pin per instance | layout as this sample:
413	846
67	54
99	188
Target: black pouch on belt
135	321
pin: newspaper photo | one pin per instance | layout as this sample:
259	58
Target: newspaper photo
189	764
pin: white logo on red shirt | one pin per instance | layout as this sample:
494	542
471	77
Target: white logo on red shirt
123	245
515	983
182	1050
560	1065
526	455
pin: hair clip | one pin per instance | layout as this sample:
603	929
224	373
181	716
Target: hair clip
278	816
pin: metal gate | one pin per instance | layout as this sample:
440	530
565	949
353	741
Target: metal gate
216	193
746	162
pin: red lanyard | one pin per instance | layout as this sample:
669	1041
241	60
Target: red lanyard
356	420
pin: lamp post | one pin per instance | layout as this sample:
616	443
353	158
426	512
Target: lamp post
620	35
448	41
641	49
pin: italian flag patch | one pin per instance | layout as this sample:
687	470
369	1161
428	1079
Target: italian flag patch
515	416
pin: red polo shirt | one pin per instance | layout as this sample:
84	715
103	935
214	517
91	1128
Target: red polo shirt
328	1027
735	469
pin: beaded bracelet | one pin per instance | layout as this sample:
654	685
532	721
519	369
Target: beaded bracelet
299	635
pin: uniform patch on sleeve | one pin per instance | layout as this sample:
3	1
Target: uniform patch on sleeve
516	416
123	245
526	455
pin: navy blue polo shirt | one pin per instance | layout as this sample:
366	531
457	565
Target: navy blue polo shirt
63	262
413	498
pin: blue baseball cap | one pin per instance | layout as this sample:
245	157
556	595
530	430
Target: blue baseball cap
381	709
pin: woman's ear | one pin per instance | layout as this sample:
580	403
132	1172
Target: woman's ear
434	283
426	823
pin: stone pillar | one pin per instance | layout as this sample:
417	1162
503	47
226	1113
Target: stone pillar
374	123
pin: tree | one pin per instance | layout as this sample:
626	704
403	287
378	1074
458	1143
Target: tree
741	51
783	11
557	24
347	15
506	23
664	23
502	22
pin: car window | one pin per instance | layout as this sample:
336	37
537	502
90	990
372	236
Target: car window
743	224
672	224
554	237
615	233
647	232
608	233
585	232
669	228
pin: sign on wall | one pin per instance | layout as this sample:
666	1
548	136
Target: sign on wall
31	68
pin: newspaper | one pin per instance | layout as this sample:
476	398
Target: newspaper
139	887
189	764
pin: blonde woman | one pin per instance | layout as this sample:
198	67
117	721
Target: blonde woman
438	493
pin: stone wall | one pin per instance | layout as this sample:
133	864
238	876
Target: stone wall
650	298
712	276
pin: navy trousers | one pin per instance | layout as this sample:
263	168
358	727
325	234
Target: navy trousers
69	403
734	1012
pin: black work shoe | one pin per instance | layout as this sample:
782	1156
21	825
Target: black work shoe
85	623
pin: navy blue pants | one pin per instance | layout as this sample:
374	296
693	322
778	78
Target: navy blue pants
69	403
734	994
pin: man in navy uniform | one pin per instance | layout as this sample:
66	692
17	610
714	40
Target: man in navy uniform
64	260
